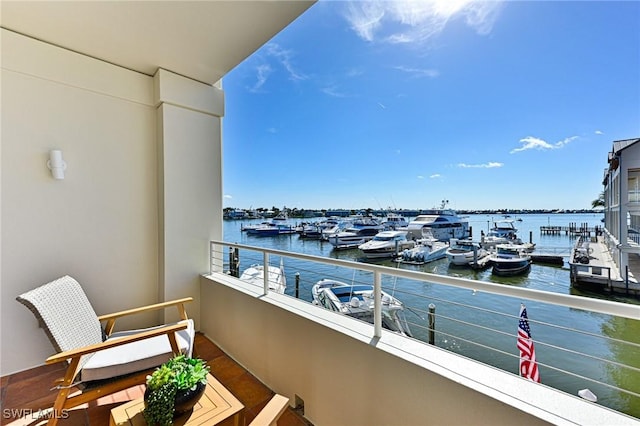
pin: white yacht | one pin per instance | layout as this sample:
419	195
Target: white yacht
358	301
386	244
427	249
359	232
465	252
394	221
443	223
503	232
276	278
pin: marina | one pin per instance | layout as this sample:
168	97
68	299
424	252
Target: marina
601	274
470	307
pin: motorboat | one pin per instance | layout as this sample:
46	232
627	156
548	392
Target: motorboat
443	223
271	229
427	249
314	230
275	277
465	252
330	231
358	301
250	228
394	221
510	259
386	244
359	232
503	232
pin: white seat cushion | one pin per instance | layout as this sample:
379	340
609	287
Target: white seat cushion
136	356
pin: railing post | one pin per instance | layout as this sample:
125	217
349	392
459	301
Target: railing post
234	263
297	285
216	257
377	304
236	256
432	323
265	272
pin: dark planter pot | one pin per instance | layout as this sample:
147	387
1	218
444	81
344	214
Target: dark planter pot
184	399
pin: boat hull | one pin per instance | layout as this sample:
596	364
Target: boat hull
508	269
386	251
421	254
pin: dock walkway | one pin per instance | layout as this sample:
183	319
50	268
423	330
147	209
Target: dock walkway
573	229
591	265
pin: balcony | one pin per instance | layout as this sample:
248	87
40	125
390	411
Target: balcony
26	394
338	370
369	375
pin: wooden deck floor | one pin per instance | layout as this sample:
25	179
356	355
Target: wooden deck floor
24	394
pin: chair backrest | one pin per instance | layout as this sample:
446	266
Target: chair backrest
65	313
271	412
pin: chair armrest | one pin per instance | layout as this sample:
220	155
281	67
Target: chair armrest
146	308
78	352
111	318
271	412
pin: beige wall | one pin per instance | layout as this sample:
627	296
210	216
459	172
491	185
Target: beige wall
346	377
115	223
190	204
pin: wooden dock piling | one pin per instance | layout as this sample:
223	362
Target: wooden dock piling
432	323
582	229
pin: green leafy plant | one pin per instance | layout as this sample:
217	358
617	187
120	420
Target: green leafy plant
180	373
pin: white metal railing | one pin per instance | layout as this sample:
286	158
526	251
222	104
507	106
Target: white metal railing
486	333
582	303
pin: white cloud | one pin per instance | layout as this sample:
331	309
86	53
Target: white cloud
599	132
410	21
365	17
262	74
531	142
333	91
283	58
489	165
228	197
435	176
420	177
419	72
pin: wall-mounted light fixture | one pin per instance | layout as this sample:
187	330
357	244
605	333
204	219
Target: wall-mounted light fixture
56	164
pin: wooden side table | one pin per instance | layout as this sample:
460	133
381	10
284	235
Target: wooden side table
216	405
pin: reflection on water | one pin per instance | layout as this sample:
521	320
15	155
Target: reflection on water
602	337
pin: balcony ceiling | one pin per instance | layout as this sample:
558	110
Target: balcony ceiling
202	40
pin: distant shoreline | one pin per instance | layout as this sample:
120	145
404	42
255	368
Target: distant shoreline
311	213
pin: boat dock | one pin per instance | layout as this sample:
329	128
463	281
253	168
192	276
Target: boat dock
541	258
592	266
582	229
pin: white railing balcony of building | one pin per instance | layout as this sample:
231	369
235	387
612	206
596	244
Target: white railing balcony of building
580	342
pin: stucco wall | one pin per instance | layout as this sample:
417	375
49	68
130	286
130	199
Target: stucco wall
99	224
347	377
140	199
343	380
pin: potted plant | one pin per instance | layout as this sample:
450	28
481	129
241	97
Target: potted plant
174	388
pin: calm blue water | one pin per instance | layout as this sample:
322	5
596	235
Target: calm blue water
456	316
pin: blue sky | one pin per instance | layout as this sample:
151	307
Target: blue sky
494	105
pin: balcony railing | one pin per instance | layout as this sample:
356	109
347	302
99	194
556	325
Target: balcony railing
581	342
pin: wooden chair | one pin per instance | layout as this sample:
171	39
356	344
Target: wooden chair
101	361
271	412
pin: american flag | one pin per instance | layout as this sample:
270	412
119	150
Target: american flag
528	364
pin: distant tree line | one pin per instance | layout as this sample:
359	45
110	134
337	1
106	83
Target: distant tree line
237	213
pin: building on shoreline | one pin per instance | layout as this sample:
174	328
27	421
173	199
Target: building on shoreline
622	205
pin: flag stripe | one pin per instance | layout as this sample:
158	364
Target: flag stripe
528	364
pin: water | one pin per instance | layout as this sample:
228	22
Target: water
601	336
